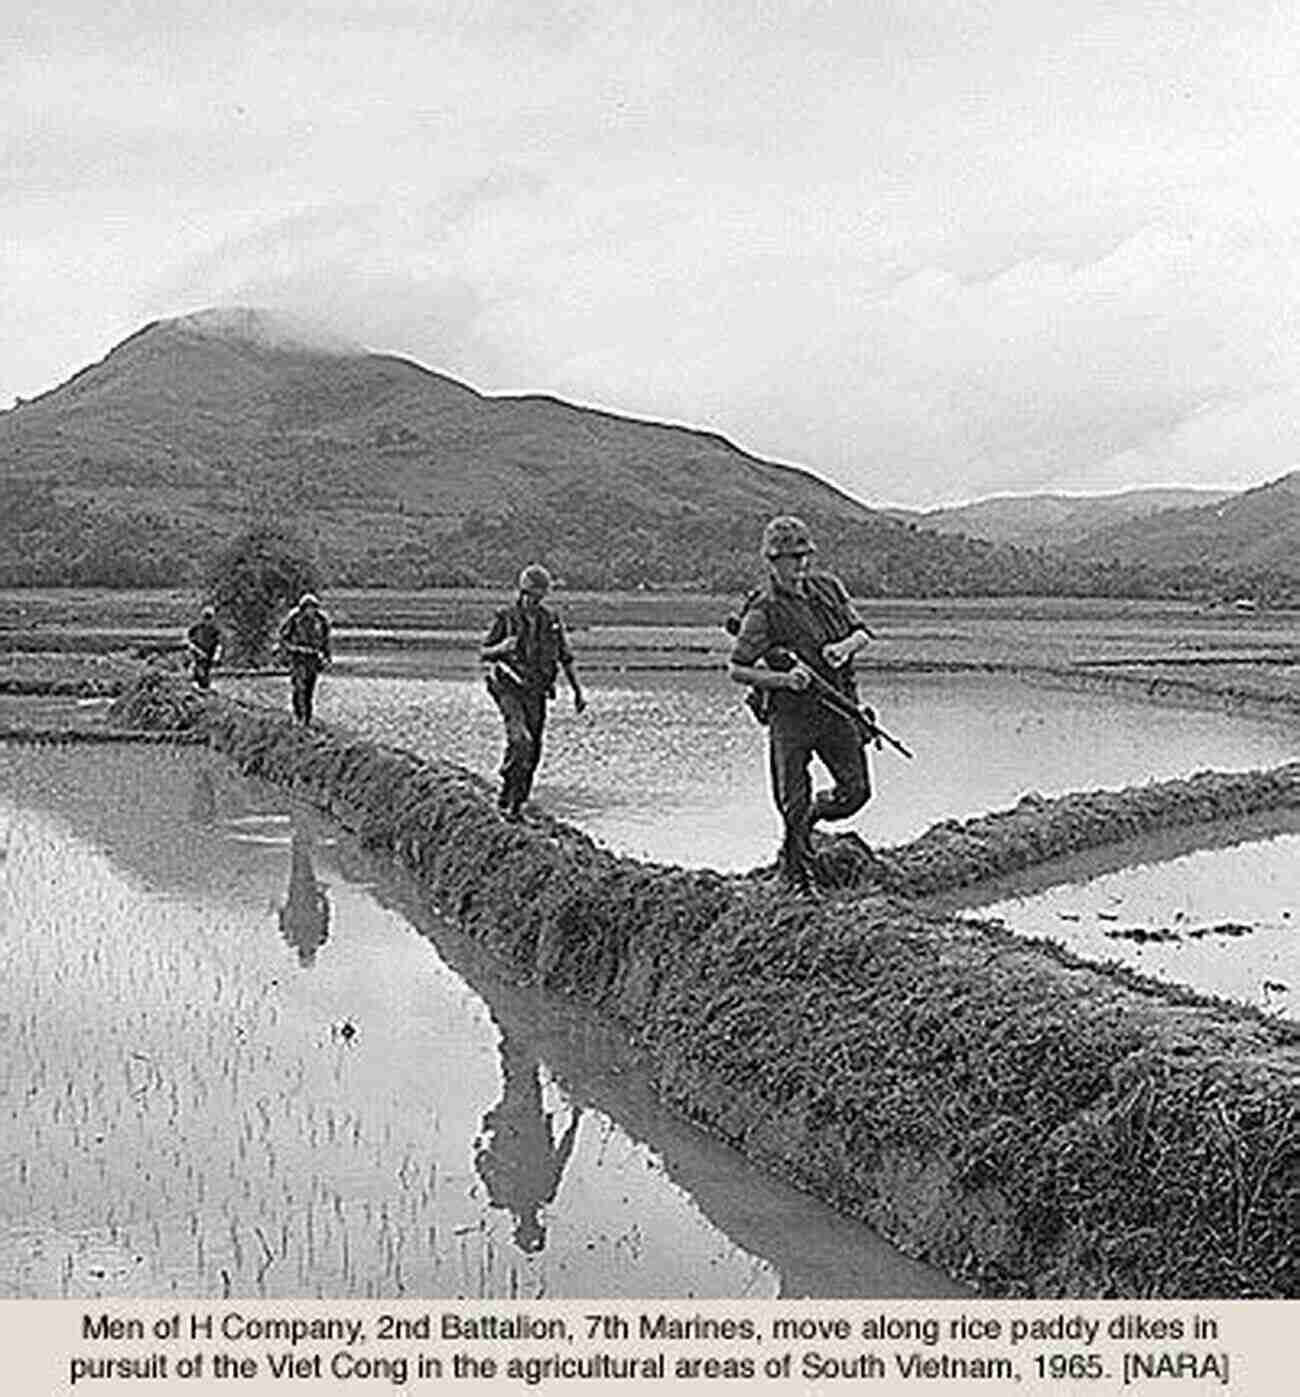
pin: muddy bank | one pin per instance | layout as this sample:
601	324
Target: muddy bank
1025	1120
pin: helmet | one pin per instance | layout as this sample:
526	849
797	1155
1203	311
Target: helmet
309	599
787	534
534	578
208	613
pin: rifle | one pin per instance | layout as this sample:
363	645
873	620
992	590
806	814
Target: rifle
313	652
503	672
862	718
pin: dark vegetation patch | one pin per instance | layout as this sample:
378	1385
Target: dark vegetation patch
68	676
1032	1123
1143	935
159	701
39	736
1222	929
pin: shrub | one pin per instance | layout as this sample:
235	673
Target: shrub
256	575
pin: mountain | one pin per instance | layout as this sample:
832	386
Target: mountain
1255	532
138	467
139	463
1053	521
217	399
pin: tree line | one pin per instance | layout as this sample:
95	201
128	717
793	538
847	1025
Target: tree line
589	540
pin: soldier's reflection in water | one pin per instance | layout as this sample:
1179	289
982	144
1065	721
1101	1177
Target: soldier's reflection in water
305	912
516	1157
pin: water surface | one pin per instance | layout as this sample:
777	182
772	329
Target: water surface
1225	921
671	767
241	1057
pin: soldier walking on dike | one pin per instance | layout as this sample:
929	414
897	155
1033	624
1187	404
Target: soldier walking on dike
524	649
203	640
796	633
304	641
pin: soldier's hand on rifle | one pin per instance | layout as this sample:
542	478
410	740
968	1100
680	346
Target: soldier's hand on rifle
503	649
798	678
840	652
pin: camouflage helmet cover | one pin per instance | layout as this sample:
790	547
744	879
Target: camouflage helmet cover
534	578
787	534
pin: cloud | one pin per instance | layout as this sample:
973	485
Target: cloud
929	251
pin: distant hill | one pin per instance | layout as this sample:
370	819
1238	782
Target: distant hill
139	463
218	399
133	471
1053	521
1257	531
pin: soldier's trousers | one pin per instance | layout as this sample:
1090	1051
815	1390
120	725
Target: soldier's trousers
302	687
201	668
794	739
524	711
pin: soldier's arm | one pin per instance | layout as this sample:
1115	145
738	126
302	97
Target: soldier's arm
840	652
579	698
760	677
567	665
498	642
752	644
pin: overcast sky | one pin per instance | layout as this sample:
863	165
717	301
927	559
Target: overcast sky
931	249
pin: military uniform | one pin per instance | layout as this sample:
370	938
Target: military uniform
802	621
521	685
305	641
204	640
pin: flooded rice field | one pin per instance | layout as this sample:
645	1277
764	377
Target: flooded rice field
671	767
240	1057
1224	921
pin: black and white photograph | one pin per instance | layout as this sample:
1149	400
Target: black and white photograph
651	652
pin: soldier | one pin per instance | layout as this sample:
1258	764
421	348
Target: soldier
203	640
525	649
305	642
799	627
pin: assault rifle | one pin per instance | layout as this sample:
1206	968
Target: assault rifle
861	717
